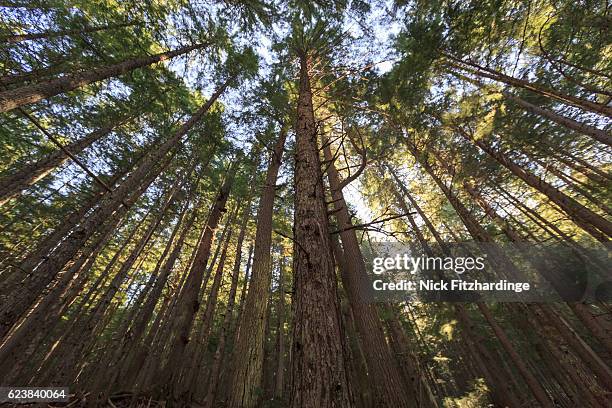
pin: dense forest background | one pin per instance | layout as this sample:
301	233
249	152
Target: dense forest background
187	189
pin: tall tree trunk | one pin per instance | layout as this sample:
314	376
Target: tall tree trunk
196	352
143	175
597	134
243	292
12	185
215	371
247	360
16	38
189	305
383	372
588	220
14	98
485	72
279	385
319	376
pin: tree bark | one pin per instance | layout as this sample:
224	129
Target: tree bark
383	372
247	361
215	372
319	376
143	175
279	386
12	185
14	98
189	304
194	368
17	38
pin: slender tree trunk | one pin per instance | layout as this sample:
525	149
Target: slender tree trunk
582	216
597	134
279	385
319	375
14	98
143	175
384	374
243	293
521	83
215	372
11	186
198	345
16	38
189	304
247	361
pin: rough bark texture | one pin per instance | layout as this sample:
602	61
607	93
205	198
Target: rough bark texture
319	376
383	372
189	303
248	354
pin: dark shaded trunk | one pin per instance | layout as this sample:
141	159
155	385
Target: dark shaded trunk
247	361
194	366
279	383
218	358
189	304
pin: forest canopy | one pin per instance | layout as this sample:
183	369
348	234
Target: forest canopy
192	193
